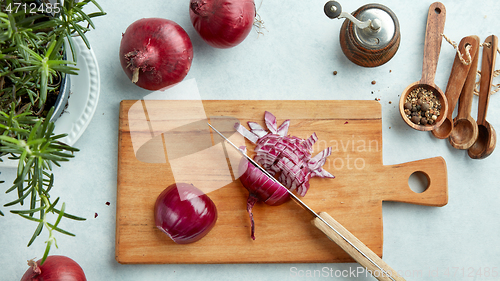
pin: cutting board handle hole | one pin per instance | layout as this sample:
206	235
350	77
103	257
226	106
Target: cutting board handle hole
418	182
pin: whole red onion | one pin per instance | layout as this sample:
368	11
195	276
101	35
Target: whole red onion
184	213
155	53
55	268
222	23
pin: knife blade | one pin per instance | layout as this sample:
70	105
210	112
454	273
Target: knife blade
334	230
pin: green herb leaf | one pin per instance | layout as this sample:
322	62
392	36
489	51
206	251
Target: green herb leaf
32	59
69	216
37	232
31	211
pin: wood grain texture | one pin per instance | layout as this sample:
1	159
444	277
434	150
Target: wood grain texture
361	55
487	137
456	81
436	17
464	132
283	233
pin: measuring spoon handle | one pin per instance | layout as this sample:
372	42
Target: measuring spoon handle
459	73
467	93
487	68
385	272
436	18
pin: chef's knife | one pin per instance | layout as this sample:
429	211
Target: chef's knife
335	231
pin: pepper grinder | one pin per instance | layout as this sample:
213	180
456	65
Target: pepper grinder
370	36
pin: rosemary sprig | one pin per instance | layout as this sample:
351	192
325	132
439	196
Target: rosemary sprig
31	49
37	149
33	60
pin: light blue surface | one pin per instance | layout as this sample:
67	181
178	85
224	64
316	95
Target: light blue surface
293	60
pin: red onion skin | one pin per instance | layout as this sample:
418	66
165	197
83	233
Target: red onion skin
260	188
184	213
222	23
55	268
158	50
253	180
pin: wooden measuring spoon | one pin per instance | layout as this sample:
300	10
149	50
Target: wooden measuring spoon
464	132
458	75
432	47
486	138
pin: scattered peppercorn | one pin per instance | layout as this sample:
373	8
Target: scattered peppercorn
374	82
335	72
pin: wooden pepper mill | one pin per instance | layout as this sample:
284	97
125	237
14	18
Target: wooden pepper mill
370	36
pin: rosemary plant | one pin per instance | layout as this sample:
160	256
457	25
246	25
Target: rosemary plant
33	60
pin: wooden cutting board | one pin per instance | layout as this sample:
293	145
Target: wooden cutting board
284	234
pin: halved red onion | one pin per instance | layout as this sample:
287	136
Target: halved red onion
184	213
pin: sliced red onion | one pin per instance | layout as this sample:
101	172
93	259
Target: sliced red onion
317	162
283	129
309	142
254	126
270	120
286	157
184	213
246	133
257	129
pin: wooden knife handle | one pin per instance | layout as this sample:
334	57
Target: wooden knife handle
355	254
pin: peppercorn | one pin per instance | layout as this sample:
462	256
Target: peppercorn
415	119
423	105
